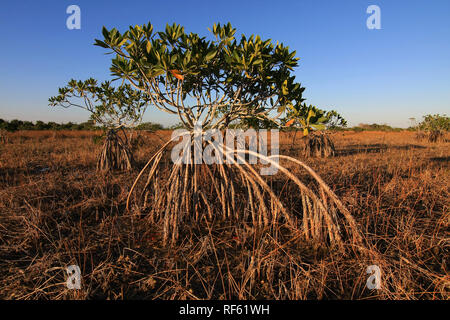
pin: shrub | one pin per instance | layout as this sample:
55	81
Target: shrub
113	108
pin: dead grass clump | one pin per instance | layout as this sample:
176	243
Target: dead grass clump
137	141
420	135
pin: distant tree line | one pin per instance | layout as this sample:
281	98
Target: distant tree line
441	122
430	122
374	127
15	125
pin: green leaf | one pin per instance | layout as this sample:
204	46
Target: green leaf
257	62
210	55
101	44
284	88
318	126
105	33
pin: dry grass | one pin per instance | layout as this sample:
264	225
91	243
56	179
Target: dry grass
56	210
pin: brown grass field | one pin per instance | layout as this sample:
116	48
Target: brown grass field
56	211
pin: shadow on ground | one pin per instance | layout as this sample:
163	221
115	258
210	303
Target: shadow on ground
373	148
440	159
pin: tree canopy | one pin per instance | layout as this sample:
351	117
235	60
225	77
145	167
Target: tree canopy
212	81
309	117
110	106
435	122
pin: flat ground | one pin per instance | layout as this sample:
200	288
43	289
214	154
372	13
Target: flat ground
56	210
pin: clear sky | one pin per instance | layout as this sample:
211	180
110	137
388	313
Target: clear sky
370	76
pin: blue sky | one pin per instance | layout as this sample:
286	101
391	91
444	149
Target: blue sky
370	76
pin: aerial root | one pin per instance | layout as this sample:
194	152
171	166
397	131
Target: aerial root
435	136
430	136
319	145
115	154
193	192
4	137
